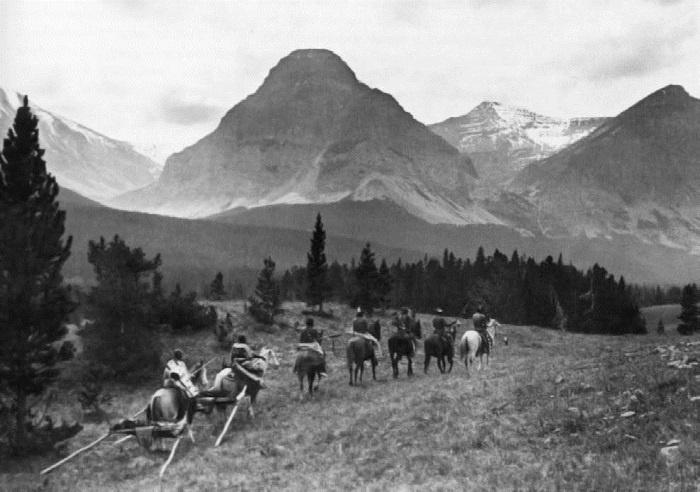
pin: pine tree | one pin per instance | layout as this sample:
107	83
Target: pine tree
317	287
384	283
217	292
690	322
34	303
122	339
267	295
366	281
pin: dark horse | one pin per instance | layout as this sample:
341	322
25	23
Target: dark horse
359	350
308	363
440	348
402	343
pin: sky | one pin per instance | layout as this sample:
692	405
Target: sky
163	73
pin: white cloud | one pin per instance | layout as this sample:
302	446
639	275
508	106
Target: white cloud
122	66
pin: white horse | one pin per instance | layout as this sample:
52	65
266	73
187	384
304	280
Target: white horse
228	383
470	344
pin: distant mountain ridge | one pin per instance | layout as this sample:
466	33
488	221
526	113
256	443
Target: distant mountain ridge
81	159
638	173
312	133
501	139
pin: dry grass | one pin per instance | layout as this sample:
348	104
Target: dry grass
546	415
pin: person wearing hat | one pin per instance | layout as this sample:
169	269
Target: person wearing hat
360	327
310	334
405	319
243	355
177	366
440	325
310	339
359	324
480	321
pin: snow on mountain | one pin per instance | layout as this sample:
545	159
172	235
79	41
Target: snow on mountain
503	139
83	160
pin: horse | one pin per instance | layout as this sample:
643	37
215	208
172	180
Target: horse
403	344
440	348
308	363
358	351
230	381
176	405
470	345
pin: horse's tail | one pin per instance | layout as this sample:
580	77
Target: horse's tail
463	348
350	355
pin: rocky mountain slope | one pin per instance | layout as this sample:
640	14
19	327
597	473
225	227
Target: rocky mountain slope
312	133
638	174
83	160
501	140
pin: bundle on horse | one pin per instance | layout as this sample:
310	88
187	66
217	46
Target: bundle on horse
440	347
231	380
310	362
358	351
472	345
402	343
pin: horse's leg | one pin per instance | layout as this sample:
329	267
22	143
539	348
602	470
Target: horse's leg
450	360
190	433
310	376
374	367
426	363
410	366
362	371
251	402
394	364
300	375
350	371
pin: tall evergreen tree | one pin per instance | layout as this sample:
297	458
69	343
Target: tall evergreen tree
267	294
366	280
217	291
122	340
34	303
384	283
690	321
317	286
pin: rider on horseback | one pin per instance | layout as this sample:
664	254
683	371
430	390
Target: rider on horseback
440	326
243	356
310	338
360	327
480	324
176	365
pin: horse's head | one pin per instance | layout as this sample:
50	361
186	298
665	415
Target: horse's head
185	383
270	357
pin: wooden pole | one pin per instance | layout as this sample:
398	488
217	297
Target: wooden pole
170	458
123	439
139	412
230	417
74	454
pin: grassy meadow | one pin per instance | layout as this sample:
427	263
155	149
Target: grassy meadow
547	414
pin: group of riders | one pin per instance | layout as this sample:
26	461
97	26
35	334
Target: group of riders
246	360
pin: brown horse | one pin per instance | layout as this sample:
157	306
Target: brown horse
441	348
359	350
308	363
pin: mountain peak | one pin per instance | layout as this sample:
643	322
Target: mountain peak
665	101
304	65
